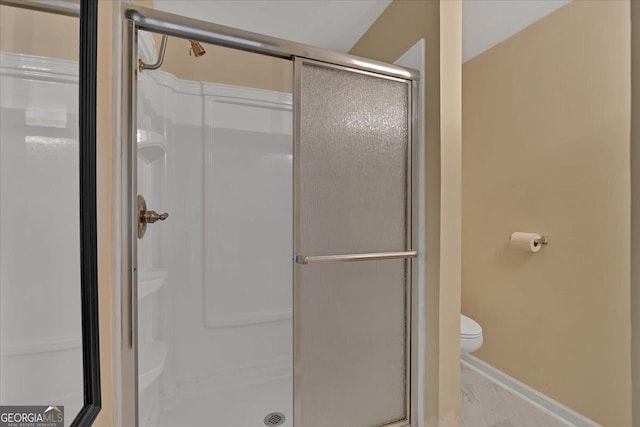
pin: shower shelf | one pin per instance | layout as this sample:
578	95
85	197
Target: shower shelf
152	359
146	137
150	146
149	281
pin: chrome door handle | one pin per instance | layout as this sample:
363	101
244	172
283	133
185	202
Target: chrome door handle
301	259
147	217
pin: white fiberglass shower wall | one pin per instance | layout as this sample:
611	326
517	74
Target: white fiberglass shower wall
215	279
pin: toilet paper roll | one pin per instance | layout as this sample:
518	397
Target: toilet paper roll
525	241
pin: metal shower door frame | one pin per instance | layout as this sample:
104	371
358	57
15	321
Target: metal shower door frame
134	18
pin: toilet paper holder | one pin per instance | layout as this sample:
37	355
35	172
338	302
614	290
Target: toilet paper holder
529	242
541	241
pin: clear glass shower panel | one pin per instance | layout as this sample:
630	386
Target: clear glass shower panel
215	278
40	283
352	318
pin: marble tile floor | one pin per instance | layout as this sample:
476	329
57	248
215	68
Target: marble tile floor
486	403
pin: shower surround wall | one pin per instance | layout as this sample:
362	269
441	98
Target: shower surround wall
224	171
546	150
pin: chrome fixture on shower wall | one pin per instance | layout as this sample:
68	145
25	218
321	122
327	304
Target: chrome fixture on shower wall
196	48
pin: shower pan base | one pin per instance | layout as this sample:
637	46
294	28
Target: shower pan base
245	406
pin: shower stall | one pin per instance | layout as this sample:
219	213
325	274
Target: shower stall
268	237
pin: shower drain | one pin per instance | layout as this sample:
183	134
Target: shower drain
274	419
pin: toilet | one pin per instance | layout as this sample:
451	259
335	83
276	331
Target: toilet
470	335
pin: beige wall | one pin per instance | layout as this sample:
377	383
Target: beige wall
228	66
635	212
399	27
29	32
104	166
546	149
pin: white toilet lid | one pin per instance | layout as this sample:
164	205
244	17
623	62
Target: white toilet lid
469	328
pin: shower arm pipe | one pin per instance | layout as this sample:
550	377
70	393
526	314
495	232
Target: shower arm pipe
163	47
220	35
57	7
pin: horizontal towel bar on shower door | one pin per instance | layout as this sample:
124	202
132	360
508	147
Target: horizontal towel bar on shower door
301	259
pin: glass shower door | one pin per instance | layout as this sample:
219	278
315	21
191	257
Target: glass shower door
227	322
353	244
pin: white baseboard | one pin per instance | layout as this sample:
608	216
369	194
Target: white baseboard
534	397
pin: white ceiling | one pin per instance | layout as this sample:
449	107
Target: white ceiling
331	24
485	23
338	24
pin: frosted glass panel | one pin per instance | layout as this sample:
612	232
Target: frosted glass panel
353	162
351	198
352	343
